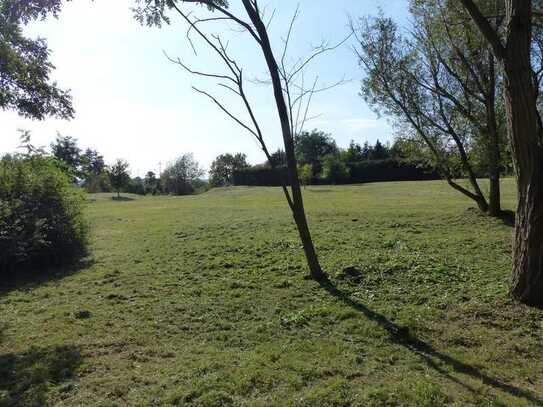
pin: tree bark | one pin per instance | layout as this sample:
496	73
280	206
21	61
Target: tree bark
297	207
527	146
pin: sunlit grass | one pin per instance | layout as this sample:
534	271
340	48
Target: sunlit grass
202	300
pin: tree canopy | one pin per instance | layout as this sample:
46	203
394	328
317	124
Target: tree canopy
25	67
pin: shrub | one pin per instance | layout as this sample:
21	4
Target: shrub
334	170
41	219
98	183
136	186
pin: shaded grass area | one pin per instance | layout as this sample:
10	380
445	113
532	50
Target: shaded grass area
202	301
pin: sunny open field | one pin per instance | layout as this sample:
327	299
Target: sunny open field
202	301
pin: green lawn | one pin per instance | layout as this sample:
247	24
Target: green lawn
202	301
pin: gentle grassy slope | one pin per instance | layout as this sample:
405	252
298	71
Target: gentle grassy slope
202	301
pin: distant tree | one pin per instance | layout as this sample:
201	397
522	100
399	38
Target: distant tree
353	154
380	151
312	147
66	150
92	170
98	183
24	63
136	186
118	176
180	177
305	172
223	167
278	159
367	151
92	162
151	183
334	170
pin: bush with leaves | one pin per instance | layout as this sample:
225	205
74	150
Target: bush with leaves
41	214
334	170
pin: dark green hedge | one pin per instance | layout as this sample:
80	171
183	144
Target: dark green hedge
390	170
260	176
360	172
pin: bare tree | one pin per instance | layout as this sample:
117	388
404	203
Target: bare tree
291	93
514	50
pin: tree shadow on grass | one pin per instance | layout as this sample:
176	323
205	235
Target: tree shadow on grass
122	199
432	357
25	378
28	278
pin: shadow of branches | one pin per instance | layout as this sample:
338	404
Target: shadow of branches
25	378
432	357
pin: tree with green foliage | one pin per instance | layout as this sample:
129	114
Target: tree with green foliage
306	174
66	150
181	177
93	172
353	153
223	167
334	170
277	159
151	183
438	83
380	151
514	48
367	151
41	212
92	163
118	176
311	148
24	63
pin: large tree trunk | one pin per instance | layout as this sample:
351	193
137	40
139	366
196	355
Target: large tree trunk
526	143
297	206
527	146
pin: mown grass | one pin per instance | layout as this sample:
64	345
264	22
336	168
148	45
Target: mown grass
202	301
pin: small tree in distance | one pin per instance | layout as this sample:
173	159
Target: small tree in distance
118	176
66	150
222	169
182	176
305	172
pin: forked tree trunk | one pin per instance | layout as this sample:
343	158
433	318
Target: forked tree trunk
526	140
297	206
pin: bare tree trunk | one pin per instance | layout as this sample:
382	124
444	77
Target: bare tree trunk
297	207
527	145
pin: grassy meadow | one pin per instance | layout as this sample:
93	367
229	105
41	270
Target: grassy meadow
203	301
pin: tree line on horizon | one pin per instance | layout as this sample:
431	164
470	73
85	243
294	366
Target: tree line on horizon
320	161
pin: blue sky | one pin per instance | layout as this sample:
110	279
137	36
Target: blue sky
132	103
